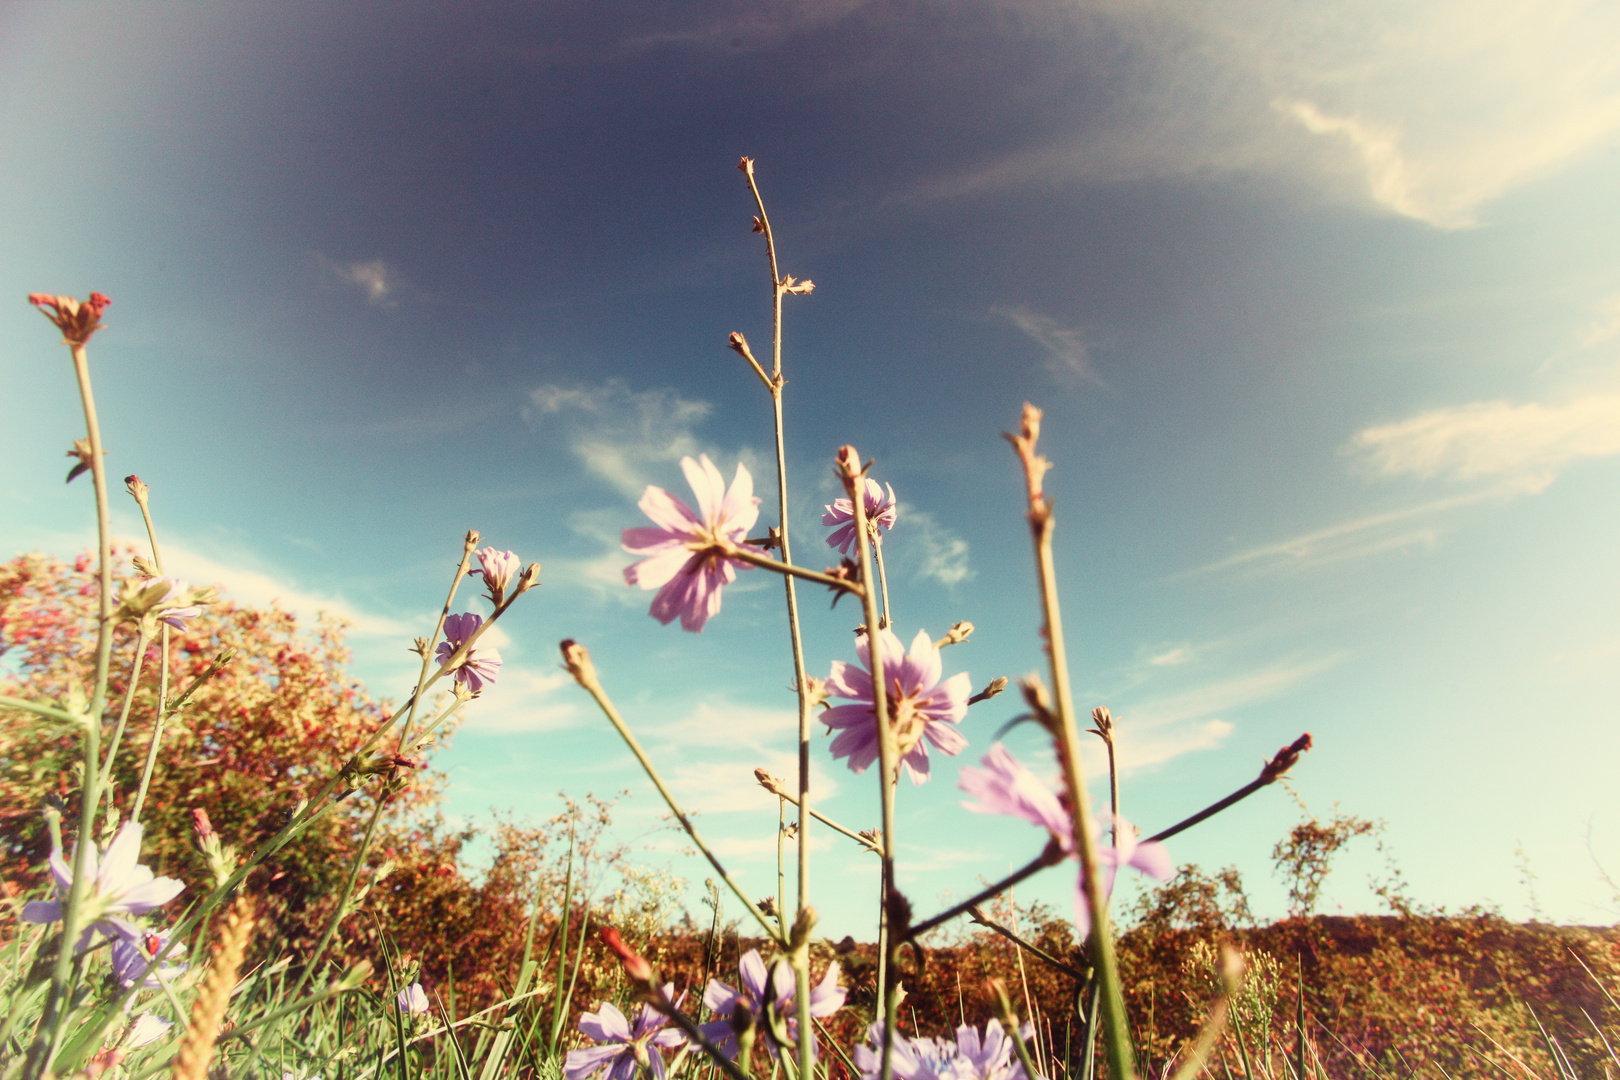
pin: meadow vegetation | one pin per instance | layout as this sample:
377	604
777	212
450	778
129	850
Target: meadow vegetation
224	857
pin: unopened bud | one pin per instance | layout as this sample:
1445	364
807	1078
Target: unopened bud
200	822
136	488
635	965
770	783
578	662
847	467
471	539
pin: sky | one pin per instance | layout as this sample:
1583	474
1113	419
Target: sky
1322	304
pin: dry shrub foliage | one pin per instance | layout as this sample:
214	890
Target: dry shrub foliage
260	736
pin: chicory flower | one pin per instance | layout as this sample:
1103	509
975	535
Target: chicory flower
685	552
482	662
119	886
826	998
135	960
920	705
622	1049
881	512
413	1000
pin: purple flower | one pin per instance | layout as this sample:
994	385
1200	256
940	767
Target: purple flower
413	1000
147	1028
686	553
498	569
482	664
919	704
880	512
176	616
134	960
118	886
826	998
622	1049
1004	786
968	1058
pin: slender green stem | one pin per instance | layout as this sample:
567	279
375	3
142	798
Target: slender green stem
1067	737
584	672
163	671
50	1026
888	752
1029	947
105	783
468	545
781	867
883	582
829	822
50	712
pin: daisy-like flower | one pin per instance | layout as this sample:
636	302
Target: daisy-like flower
498	569
413	1000
76	321
136	960
881	511
685	552
119	886
176	616
483	662
970	1057
623	1050
1004	786
920	705
826	998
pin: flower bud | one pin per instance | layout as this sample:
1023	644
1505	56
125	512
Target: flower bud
76	321
136	488
635	965
200	822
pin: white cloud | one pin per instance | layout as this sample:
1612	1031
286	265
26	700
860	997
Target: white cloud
1157	729
1428	108
1170	657
1526	445
1067	355
374	278
626	437
933	551
751	738
258	588
524	699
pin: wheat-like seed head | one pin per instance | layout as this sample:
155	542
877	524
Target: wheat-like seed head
197	1048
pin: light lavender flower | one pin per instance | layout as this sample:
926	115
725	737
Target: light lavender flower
133	960
623	1050
176	616
881	512
919	704
119	886
412	1000
970	1057
498	569
685	552
147	1028
826	998
483	662
1004	786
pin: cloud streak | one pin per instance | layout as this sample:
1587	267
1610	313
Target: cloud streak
1068	357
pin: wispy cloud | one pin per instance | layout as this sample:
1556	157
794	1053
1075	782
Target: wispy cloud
1605	324
751	737
1428	109
626	437
1156	729
524	700
1526	445
1068	357
937	553
1371	534
378	282
259	588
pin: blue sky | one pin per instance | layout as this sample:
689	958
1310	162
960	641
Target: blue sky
1322	304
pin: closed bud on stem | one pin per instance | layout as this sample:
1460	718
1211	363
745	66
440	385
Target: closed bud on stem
144	566
1286	759
956	635
847	467
995	686
806	921
1103	722
578	662
82	456
471	539
636	966
772	784
136	488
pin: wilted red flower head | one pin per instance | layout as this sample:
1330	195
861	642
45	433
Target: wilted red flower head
76	321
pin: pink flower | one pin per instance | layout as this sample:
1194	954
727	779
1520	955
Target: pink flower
497	568
686	553
1004	786
482	663
880	512
919	704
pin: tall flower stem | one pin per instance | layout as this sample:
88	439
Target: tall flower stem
578	661
140	496
883	582
469	544
54	1014
888	752
105	783
1066	734
801	966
